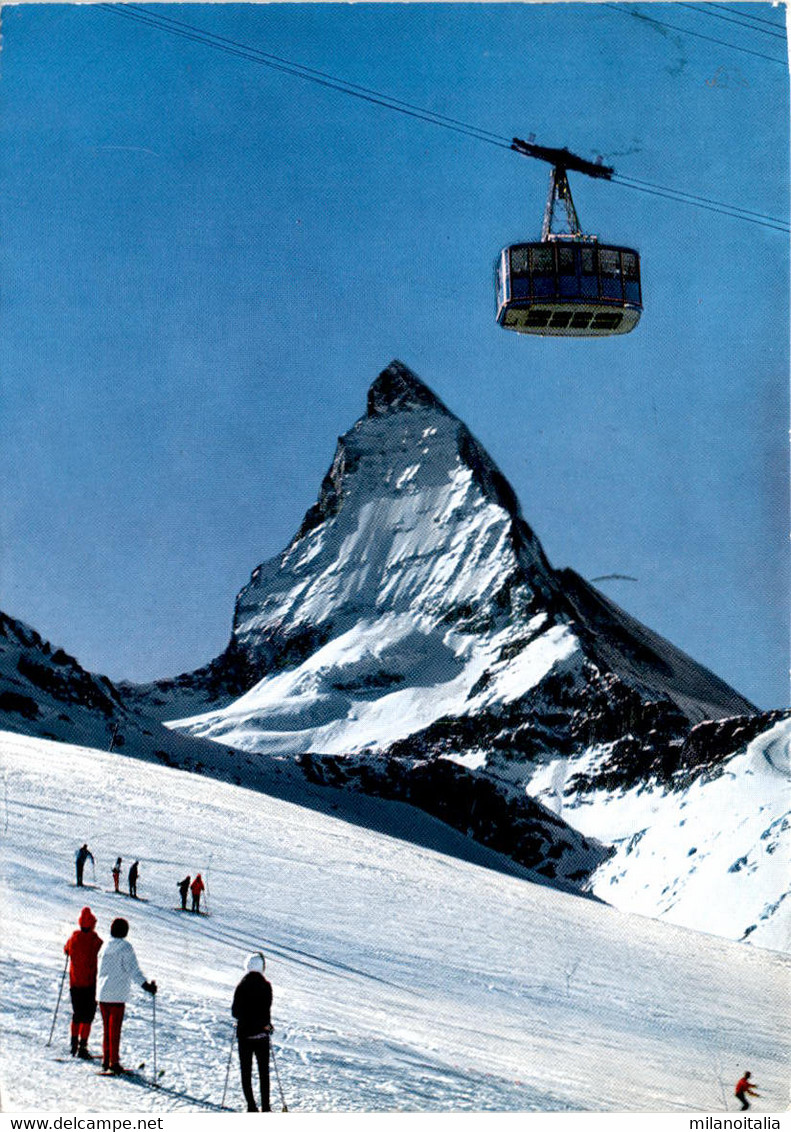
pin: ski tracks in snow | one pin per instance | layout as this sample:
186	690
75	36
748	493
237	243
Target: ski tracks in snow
423	984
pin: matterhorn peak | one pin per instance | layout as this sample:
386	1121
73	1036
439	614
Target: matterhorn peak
415	569
397	389
412	641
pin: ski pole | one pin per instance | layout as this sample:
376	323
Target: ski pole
277	1074
154	1028
57	1004
227	1070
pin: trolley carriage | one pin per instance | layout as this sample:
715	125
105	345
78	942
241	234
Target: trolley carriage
567	284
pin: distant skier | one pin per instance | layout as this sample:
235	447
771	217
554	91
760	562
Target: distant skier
119	966
80	858
197	887
135	869
252	1008
184	887
82	948
745	1088
117	873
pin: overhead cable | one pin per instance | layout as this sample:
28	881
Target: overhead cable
708	10
633	13
232	47
767	222
751	16
253	55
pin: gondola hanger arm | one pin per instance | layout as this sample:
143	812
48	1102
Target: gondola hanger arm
563	159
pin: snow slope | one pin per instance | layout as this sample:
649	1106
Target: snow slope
404	979
46	693
715	854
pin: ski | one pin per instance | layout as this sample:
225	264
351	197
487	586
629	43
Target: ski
133	1076
130	1075
140	899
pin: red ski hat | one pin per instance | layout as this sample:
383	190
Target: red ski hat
87	919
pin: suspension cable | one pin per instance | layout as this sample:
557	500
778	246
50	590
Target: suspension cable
190	32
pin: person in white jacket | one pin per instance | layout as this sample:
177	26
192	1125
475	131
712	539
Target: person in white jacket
118	967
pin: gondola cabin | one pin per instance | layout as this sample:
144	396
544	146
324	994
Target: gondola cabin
568	287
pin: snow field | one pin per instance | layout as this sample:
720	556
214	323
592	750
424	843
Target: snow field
722	845
403	979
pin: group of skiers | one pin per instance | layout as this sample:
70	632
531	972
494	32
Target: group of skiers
83	855
196	887
186	886
109	982
132	876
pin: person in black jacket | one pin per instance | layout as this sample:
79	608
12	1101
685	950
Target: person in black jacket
252	1007
184	887
81	856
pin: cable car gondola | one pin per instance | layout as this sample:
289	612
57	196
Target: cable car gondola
567	284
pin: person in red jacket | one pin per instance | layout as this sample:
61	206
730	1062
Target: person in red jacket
745	1088
196	888
82	948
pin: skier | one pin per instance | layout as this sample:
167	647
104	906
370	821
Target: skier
252	1006
135	869
745	1088
184	887
197	888
82	948
81	857
117	873
117	969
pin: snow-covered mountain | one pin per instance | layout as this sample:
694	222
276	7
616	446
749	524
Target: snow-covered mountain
47	693
44	692
404	978
413	590
413	642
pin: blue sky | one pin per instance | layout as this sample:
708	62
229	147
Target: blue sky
206	262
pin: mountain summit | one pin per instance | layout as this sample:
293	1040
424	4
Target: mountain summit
416	570
415	524
397	389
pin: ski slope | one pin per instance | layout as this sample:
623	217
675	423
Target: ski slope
714	855
404	978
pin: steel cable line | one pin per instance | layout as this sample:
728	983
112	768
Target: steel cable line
777	226
195	34
753	17
778	34
634	14
308	72
691	198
